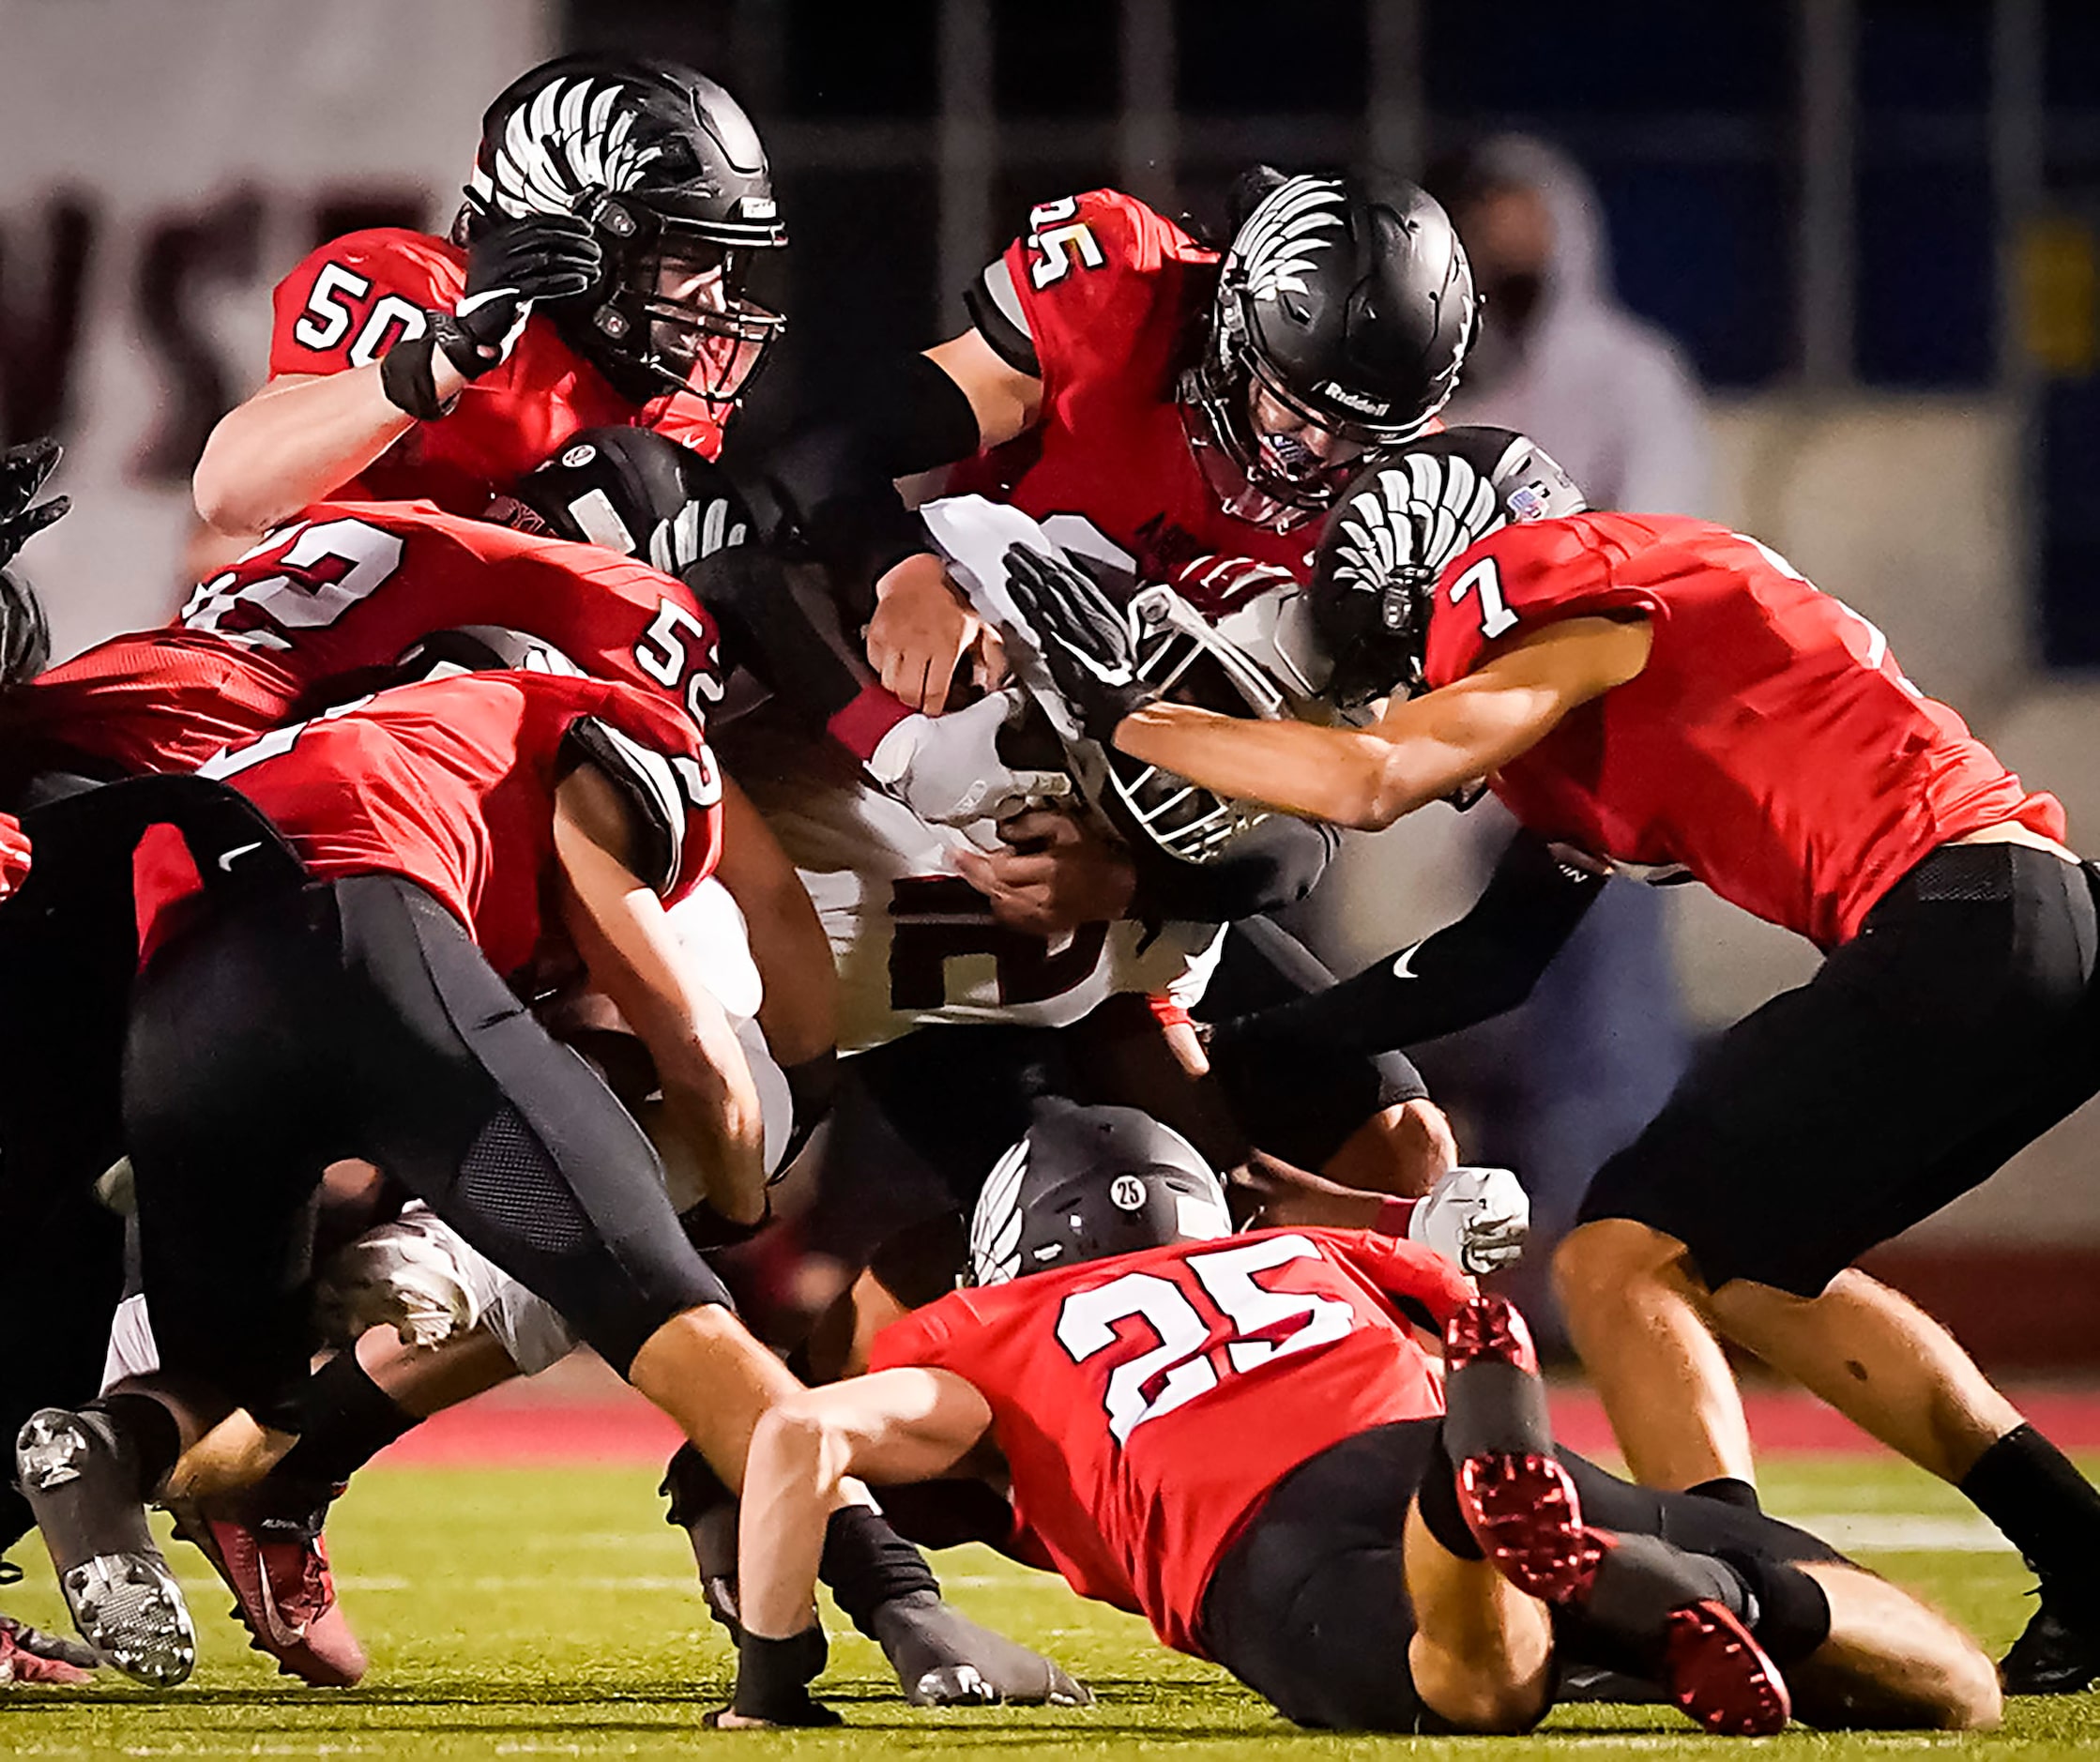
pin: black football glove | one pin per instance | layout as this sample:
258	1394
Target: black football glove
22	471
1084	638
544	258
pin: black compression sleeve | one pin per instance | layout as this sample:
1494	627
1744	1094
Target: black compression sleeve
1480	966
833	476
775	622
1266	868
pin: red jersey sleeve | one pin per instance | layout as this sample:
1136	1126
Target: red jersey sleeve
356	297
1518	579
1087	276
1418	1281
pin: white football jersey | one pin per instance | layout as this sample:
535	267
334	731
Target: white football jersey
915	943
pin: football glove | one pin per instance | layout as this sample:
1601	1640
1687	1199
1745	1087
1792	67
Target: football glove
1085	639
22	471
1475	1218
949	771
542	258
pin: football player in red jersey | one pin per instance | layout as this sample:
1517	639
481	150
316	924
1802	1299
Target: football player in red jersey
1664	694
1243	1440
597	274
345	932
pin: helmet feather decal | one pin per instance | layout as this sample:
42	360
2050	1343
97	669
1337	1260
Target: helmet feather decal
566	141
1277	246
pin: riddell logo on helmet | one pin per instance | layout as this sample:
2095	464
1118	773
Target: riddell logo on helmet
1354	400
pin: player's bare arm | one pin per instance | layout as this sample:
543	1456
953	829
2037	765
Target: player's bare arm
922	625
1418	752
895	1426
634	957
799	1016
296	441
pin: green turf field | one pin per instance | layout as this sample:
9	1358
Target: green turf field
547	1612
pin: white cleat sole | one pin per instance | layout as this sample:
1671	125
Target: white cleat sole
129	1608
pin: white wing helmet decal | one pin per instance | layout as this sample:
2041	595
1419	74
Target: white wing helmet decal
566	141
1292	225
1418	513
995	1219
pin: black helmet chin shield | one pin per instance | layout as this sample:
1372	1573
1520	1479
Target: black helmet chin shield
1405	516
671	174
1087	1182
1344	311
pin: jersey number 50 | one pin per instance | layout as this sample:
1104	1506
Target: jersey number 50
1183	1365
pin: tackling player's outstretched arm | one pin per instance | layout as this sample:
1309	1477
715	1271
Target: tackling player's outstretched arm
1419	752
898	1425
634	956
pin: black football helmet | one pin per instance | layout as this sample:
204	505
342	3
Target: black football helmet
1087	1182
634	490
1348	302
1405	514
670	173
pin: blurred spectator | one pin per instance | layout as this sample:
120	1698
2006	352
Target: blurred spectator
1557	357
1576	1073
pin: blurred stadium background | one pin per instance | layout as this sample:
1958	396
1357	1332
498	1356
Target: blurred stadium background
1868	225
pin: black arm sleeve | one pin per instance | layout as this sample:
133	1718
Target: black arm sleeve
832	479
1480	966
781	626
1268	866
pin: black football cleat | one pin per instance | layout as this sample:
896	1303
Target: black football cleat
944	1658
81	1485
2059	1650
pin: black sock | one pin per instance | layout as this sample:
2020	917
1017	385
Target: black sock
1793	1610
867	1564
1438	1500
147	1432
2046	1507
1727	1490
349	1420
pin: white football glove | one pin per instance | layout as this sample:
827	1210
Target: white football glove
1475	1218
947	769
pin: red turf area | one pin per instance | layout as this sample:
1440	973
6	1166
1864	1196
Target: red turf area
586	1420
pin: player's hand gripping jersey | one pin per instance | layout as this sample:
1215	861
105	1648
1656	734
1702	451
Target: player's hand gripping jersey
353	300
1771	747
1113	296
1146	1403
344	589
451	784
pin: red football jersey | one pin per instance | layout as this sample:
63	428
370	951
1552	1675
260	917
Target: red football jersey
1146	1405
451	783
353	300
346	588
1771	747
1116	297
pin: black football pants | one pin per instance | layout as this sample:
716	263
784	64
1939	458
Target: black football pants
356	1018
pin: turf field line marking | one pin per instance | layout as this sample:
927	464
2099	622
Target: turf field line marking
1903	1532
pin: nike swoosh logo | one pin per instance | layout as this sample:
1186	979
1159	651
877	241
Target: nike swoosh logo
1403	963
227	858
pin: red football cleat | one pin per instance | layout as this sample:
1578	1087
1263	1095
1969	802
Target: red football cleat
28	1656
268	1547
1721	1676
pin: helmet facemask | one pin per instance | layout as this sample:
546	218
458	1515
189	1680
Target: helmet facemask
677	313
